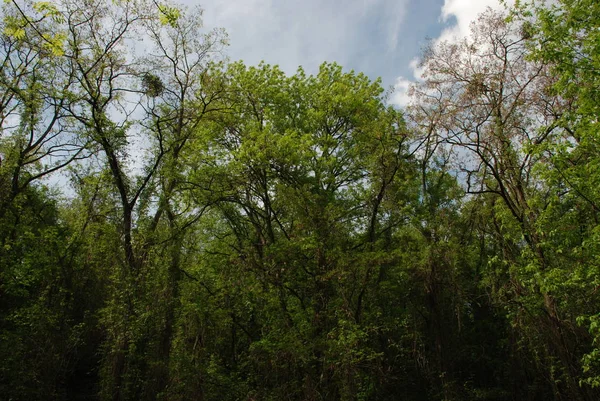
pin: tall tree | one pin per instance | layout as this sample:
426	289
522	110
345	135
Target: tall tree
71	85
305	165
565	36
486	99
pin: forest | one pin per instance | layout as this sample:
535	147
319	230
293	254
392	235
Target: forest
177	226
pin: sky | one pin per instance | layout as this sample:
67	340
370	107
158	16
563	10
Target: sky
381	38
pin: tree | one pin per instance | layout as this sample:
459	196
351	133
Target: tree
304	165
565	36
76	52
486	99
37	137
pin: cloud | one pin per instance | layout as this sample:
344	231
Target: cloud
293	33
400	95
465	12
462	13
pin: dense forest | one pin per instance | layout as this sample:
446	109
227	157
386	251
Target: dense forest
176	226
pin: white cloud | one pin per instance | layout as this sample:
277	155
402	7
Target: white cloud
464	12
400	95
293	33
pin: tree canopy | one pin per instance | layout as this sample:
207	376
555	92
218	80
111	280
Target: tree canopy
234	232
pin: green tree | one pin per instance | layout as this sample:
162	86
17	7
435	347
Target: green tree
305	164
565	36
488	100
70	88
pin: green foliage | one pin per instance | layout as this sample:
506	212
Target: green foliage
168	15
566	37
291	237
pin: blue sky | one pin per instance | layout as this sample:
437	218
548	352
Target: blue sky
381	38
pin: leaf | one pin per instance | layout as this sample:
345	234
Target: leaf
49	9
168	15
